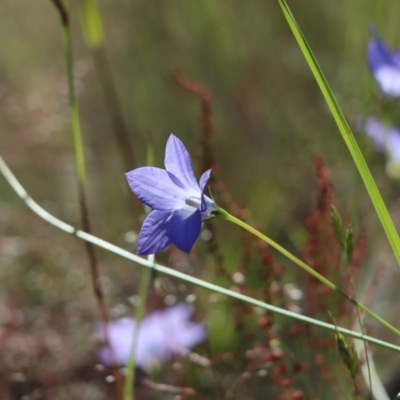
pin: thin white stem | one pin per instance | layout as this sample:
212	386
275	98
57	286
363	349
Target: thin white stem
42	213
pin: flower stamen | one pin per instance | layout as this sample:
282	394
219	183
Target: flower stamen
193	201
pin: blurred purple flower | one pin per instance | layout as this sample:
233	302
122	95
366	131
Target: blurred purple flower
177	200
161	335
385	66
386	139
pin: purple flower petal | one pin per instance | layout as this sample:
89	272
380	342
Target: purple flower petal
378	54
179	313
396	58
385	67
204	179
153	341
388	78
185	229
393	146
377	132
386	138
182	333
176	194
178	162
191	335
153	236
203	182
121	332
154	187
161	334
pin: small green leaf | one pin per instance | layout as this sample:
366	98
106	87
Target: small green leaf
337	227
348	355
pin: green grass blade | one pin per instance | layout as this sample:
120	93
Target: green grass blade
92	23
345	130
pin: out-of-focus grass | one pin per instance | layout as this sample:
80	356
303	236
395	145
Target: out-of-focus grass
269	117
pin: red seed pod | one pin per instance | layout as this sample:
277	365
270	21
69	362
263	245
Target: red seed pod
267	357
264	322
278	372
285	382
283	368
326	343
298	395
295	331
275	374
241	213
319	359
322	308
276	355
279	271
301	367
323	290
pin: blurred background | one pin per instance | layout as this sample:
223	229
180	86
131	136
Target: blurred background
269	122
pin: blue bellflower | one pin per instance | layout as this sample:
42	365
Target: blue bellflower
177	200
385	67
386	139
160	336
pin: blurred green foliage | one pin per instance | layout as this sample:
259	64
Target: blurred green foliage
269	116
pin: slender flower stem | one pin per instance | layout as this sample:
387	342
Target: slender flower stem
346	132
129	392
63	226
139	312
228	217
81	176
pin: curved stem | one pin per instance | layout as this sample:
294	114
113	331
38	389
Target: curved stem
63	226
228	217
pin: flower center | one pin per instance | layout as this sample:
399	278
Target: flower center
193	201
